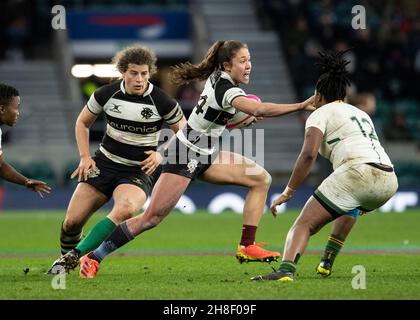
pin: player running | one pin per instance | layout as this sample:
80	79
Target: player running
363	177
226	65
125	166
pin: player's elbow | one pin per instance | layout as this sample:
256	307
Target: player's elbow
308	156
81	125
258	112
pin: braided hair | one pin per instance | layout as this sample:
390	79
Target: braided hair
333	80
7	93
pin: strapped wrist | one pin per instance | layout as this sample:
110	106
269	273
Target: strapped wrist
288	192
26	182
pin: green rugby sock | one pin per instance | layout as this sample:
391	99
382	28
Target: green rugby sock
99	233
287	266
333	247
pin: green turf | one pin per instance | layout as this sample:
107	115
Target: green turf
191	257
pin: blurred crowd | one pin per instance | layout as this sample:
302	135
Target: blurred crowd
25	29
385	56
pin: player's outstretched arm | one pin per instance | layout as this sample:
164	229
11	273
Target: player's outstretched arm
303	165
10	174
268	109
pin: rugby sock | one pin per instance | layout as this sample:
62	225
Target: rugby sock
287	266
248	235
333	247
95	236
69	241
119	237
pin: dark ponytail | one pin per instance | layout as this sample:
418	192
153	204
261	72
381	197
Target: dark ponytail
219	52
333	82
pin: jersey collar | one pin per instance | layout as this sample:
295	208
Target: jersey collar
226	76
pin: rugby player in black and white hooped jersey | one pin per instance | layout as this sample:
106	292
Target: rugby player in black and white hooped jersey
9	114
125	165
226	65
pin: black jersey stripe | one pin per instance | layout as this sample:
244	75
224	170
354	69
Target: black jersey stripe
133	98
219	117
172	114
175	117
134	126
104	93
126	151
220	89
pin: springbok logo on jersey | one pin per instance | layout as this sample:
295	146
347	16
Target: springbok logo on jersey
146	113
192	165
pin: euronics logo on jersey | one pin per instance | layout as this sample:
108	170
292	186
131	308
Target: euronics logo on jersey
136	129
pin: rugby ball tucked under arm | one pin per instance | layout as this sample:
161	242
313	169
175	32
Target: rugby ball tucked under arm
242	119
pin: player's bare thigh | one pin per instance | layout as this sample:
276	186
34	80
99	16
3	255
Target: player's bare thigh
233	168
313	215
83	203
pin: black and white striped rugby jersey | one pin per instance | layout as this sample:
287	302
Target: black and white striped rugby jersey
212	112
133	122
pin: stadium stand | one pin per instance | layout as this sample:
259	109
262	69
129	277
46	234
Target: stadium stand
384	59
283	36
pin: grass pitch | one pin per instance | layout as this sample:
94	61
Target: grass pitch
192	257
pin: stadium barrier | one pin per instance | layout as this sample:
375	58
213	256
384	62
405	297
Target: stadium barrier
200	196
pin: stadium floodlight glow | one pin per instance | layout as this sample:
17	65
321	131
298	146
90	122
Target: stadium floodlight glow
82	70
105	71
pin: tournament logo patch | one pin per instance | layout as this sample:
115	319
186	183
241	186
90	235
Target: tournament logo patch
146	113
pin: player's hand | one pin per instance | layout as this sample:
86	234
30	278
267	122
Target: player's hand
37	186
276	202
308	104
86	166
150	164
282	198
256	119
